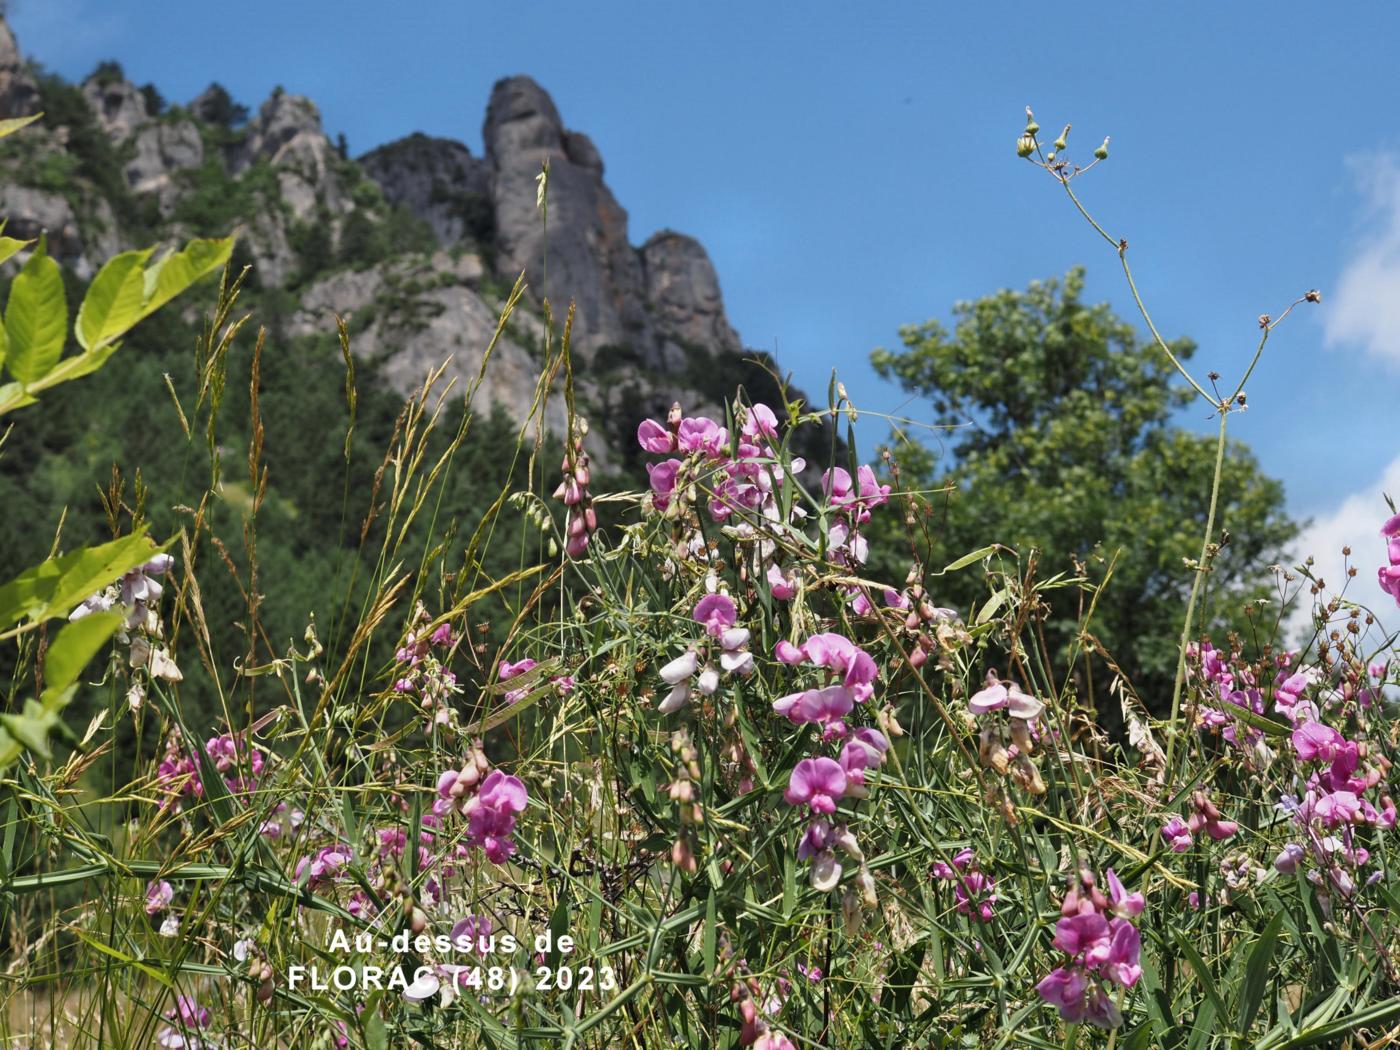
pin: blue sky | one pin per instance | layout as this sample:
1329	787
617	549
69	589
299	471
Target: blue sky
850	167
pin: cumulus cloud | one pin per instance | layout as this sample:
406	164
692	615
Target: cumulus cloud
1356	524
1364	307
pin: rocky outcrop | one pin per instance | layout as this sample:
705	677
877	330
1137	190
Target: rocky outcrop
413	315
118	104
160	151
590	259
683	290
19	95
650	324
82	245
439	181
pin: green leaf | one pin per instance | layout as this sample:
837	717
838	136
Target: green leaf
968	559
56	586
114	300
10	245
1203	974
76	644
32	729
1257	971
36	318
175	272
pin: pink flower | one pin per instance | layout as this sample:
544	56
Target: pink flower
1125	904
702	435
515	670
1064	988
1082	934
159	894
717	613
995	696
1125	944
823	706
654	437
817	782
663	481
760	422
788	653
491	813
1176	835
1317	742
783	585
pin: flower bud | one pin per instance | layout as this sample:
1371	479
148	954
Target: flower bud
1102	152
1025	146
1063	140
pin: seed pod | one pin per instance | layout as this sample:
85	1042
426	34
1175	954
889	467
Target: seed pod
1025	145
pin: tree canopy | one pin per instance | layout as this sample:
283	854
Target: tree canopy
1063	437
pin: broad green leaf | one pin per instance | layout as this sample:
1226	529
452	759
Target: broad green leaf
36	318
55	586
175	272
75	645
12	124
114	300
30	729
10	245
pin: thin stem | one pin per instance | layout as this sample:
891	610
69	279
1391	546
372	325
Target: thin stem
1202	568
1121	247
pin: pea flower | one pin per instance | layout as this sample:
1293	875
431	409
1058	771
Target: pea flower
817	783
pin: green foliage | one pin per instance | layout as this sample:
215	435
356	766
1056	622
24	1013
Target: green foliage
219	108
1061	439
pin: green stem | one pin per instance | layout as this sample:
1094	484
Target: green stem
1201	569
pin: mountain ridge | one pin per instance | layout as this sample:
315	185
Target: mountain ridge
415	241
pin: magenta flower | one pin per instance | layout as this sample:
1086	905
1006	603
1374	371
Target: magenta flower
717	613
702	435
491	813
654	437
663	481
817	783
1317	742
823	706
1082	934
1124	904
783	585
1176	835
841	655
1064	988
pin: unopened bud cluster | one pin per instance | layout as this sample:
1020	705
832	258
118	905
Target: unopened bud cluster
582	521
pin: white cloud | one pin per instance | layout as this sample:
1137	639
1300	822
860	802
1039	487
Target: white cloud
1355	524
1364	308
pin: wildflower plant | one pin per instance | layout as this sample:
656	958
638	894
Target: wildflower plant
690	771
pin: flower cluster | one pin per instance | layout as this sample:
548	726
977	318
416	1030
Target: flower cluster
137	593
423	674
186	1019
1389	574
1022	726
582	521
691	672
177	774
1102	947
973	891
489	801
818	783
1205	817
